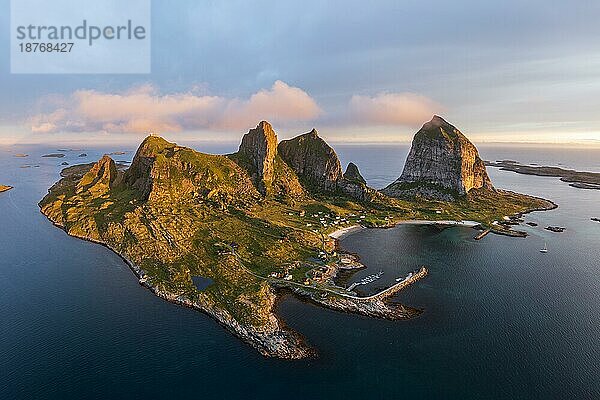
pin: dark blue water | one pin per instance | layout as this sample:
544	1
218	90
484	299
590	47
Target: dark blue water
501	319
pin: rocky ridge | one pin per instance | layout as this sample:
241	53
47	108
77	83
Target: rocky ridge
253	222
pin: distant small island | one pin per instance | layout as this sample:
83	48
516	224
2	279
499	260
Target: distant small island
54	155
576	179
4	188
228	234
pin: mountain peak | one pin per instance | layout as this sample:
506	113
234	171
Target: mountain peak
442	164
101	178
313	160
353	174
259	148
437	120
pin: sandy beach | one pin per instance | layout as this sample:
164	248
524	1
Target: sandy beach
426	222
340	233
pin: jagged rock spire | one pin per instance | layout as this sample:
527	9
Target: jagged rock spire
259	149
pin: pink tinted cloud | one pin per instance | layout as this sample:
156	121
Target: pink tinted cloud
144	109
279	104
392	109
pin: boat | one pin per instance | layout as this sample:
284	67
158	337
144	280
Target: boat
545	249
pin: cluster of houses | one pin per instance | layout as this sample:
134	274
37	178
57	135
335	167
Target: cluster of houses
285	275
329	219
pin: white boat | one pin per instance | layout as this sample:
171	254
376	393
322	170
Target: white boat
545	249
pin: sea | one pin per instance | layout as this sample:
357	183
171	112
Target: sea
500	319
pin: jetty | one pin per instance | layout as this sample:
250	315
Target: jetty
482	234
421	273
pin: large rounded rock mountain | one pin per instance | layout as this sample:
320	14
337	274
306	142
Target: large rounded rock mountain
442	164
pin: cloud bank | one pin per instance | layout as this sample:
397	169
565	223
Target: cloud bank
392	109
144	109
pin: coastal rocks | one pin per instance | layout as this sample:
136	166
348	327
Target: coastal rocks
595	219
532	223
4	188
557	229
53	155
442	164
271	339
313	160
375	306
258	149
82	155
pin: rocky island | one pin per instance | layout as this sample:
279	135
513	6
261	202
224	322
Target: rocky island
257	223
576	179
4	188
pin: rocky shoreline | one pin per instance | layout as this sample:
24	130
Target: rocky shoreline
280	342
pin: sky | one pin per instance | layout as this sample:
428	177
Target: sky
510	71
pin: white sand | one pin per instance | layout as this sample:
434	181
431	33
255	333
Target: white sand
340	233
452	223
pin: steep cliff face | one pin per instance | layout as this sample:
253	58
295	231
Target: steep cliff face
257	155
313	160
319	168
258	149
442	164
139	175
163	171
101	178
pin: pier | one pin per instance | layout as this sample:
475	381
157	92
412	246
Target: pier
482	234
421	273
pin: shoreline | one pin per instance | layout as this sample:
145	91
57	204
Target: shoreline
341	233
469	224
349	230
298	348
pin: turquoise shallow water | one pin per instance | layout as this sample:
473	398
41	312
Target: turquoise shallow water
501	320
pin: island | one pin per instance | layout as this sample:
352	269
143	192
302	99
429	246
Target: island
229	234
576	179
54	155
4	188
